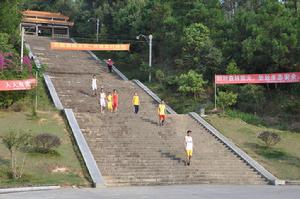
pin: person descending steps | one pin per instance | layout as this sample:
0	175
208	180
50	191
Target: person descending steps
136	102
109	63
109	102
94	85
188	147
102	100
115	100
161	113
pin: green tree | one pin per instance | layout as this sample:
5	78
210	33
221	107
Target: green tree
226	99
251	98
198	48
232	68
16	142
191	83
160	76
264	39
5	45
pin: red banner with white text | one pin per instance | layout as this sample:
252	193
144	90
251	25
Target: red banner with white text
14	85
291	77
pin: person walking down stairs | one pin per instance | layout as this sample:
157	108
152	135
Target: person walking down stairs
136	102
102	100
188	147
161	113
94	85
115	100
109	63
109	102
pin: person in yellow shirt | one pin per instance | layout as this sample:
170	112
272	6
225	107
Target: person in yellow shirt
161	112
109	102
136	102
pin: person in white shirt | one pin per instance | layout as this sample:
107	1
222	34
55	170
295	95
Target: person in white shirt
102	100
188	147
94	85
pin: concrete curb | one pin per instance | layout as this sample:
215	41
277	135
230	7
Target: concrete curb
47	80
24	189
84	149
53	93
259	168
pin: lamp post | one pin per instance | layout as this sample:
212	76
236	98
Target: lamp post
149	40
22	46
97	22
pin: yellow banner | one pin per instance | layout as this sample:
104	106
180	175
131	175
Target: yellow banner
94	47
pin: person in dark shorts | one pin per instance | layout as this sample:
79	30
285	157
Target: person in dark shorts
109	63
136	102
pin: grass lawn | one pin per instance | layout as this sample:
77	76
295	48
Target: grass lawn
282	160
40	168
64	167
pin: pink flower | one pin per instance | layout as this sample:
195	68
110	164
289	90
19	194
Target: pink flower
2	62
27	62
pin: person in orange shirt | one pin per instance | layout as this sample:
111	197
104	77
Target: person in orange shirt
161	113
136	102
115	100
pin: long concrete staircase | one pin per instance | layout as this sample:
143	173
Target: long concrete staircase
132	149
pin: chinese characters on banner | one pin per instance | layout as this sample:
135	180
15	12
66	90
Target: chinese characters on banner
101	47
14	85
291	77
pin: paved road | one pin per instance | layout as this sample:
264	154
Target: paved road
163	192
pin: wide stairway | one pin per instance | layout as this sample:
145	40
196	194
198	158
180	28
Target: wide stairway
132	149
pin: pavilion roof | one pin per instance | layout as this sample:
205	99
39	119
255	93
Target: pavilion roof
32	16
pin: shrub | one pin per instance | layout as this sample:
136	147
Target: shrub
246	117
17	107
191	83
45	142
226	99
251	98
160	76
269	138
292	107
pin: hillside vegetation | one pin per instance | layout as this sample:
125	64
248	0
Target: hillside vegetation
200	37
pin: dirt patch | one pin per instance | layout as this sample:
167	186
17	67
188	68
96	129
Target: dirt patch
58	118
60	170
42	121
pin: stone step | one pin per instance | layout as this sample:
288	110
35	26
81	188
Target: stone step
149	182
183	176
176	171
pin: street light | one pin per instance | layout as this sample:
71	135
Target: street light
97	20
149	40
